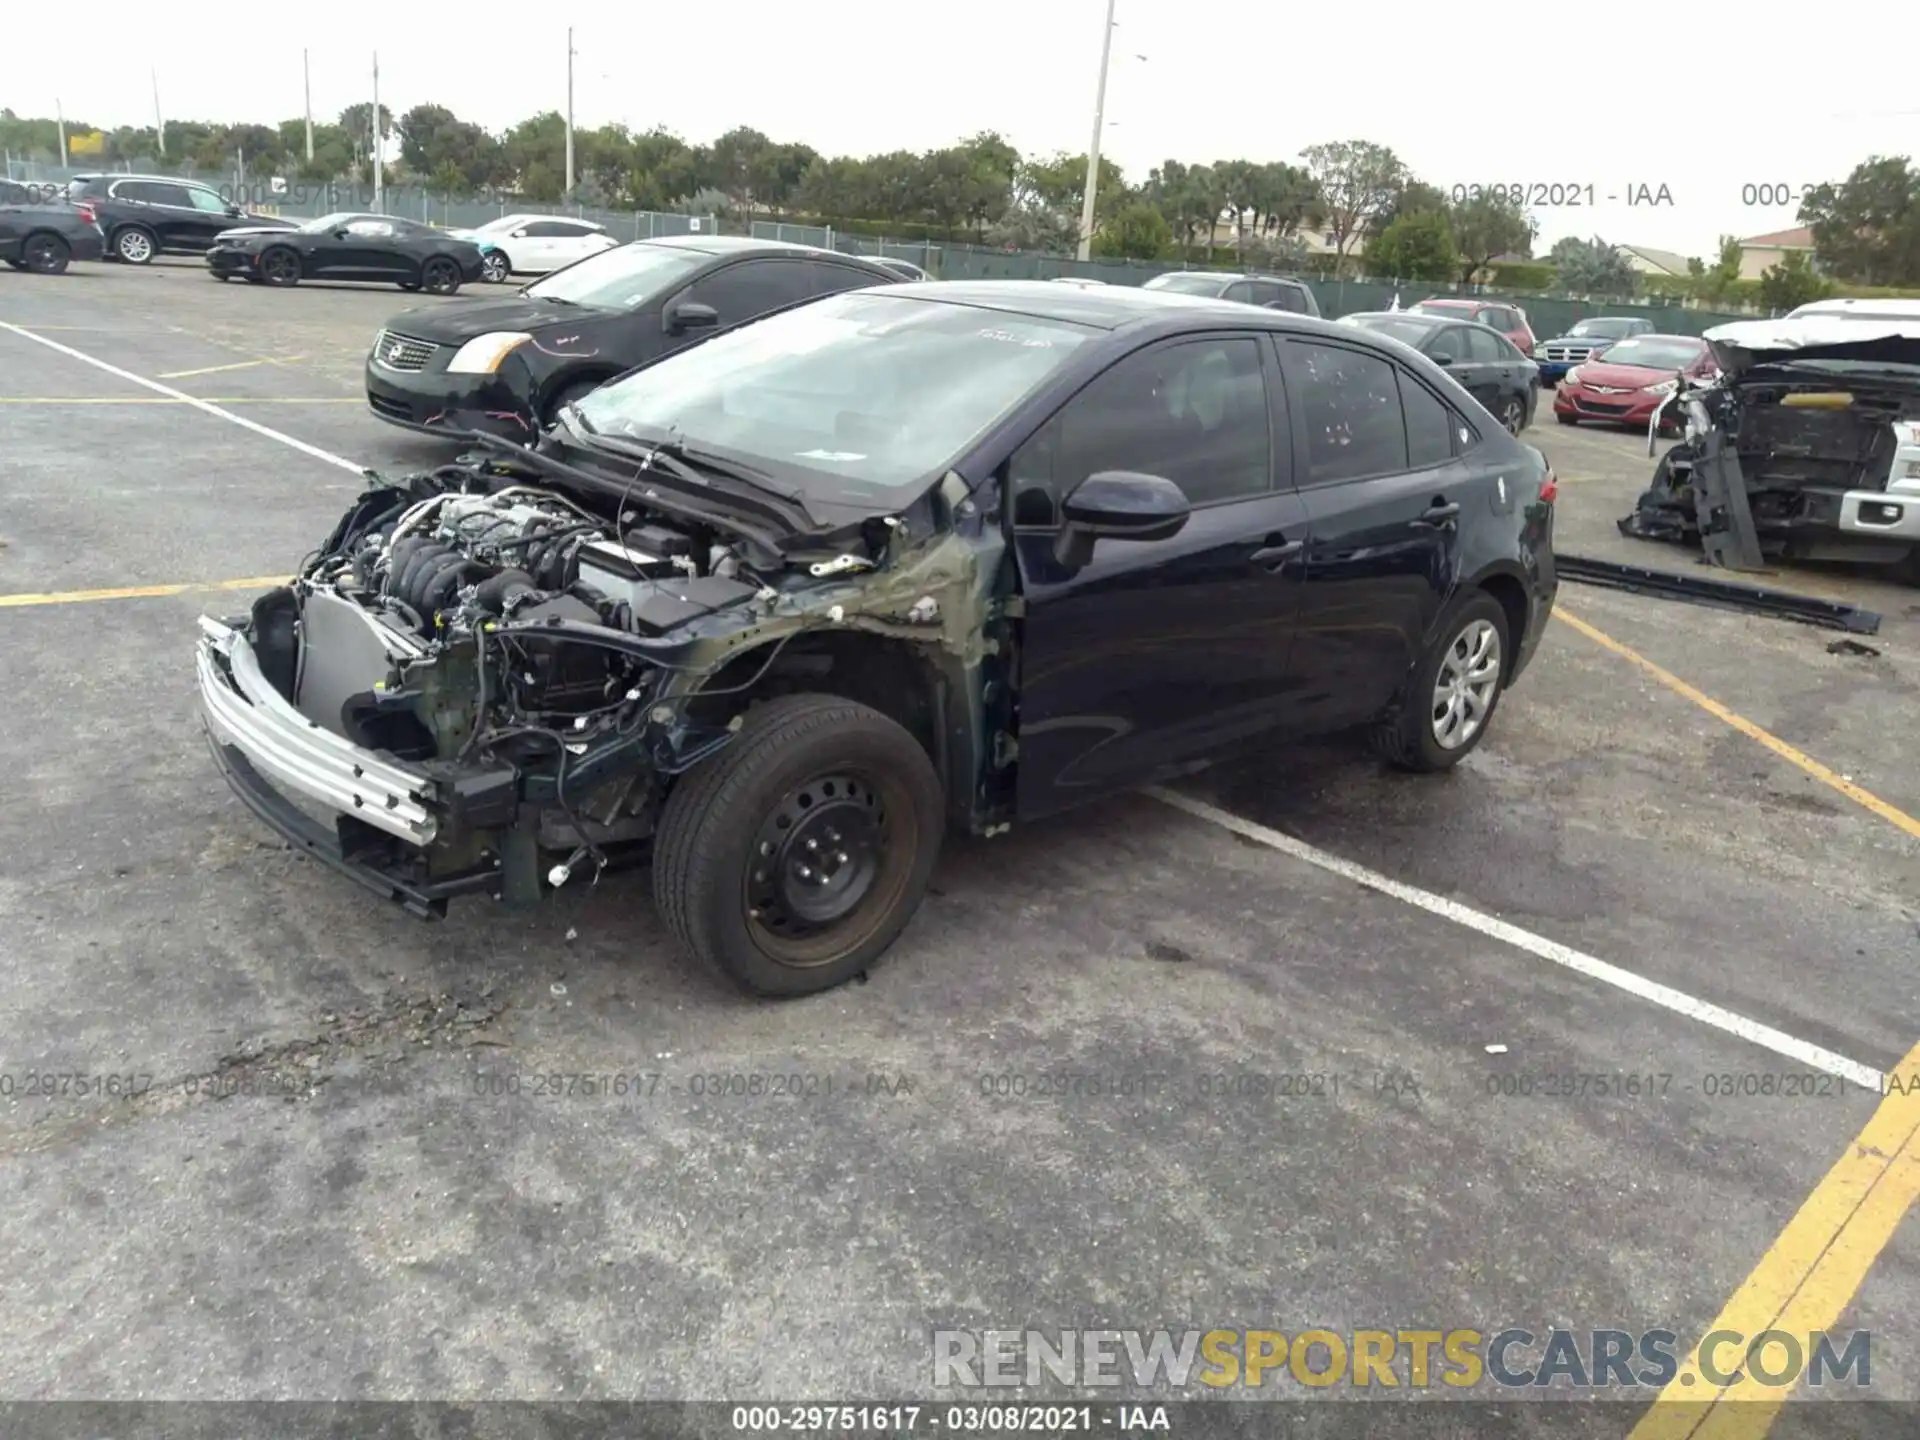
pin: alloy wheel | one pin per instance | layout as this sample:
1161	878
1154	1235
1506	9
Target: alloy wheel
46	255
134	247
440	277
496	268
281	267
1463	691
1514	415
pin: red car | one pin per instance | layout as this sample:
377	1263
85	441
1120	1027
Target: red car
1630	379
1509	319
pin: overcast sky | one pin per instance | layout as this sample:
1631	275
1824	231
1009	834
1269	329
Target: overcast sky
1521	96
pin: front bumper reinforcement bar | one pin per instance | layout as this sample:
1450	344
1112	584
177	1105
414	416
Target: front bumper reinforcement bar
1721	594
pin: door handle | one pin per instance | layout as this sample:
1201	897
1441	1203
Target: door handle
1272	557
1437	516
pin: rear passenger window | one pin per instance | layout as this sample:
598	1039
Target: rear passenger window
1292	297
830	279
1429	425
1484	347
1351	404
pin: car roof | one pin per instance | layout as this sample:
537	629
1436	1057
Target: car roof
1691	339
1454	304
745	245
1110	307
530	216
1430	321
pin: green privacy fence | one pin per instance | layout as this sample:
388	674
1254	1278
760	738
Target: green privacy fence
1549	315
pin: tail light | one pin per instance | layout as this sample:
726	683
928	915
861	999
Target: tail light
87	212
1550	488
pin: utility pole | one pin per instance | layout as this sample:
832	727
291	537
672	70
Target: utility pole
60	115
1093	150
306	78
379	198
568	196
159	125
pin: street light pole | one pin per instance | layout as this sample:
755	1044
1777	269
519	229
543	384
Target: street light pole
159	125
60	114
568	197
379	187
306	78
1093	149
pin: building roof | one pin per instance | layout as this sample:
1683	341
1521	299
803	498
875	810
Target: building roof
1798	238
1669	261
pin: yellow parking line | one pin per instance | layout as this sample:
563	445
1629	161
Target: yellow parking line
1805	1282
138	592
1892	814
222	369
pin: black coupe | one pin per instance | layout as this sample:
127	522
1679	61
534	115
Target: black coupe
508	366
373	248
1488	366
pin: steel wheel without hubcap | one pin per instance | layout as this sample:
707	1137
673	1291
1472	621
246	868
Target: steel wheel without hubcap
280	267
820	870
1463	692
1513	415
134	246
495	268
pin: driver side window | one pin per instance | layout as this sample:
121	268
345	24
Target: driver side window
207	201
370	229
1194	412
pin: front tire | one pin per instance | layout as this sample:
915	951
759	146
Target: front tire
440	276
135	245
46	254
1449	700
280	266
495	269
795	857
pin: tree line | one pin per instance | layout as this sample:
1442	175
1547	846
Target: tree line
1365	205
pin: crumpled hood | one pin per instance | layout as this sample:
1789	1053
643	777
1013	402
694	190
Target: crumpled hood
467	320
1743	344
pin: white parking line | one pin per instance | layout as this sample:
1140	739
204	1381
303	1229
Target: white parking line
1594	968
185	399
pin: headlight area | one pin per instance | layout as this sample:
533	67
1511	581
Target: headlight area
498	638
483	354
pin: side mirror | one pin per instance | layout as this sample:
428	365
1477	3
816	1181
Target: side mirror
691	315
519	234
234	210
1118	505
1441	359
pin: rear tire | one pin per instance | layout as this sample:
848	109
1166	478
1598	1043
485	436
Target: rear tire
1413	735
135	245
1513	415
46	254
440	276
744	882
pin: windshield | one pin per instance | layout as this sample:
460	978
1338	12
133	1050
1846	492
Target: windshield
1185	282
876	391
1655	354
621	278
335	222
1452	310
1408	332
1601	329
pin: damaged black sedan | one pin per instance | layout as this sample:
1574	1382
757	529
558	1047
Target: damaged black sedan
1806	446
786	606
